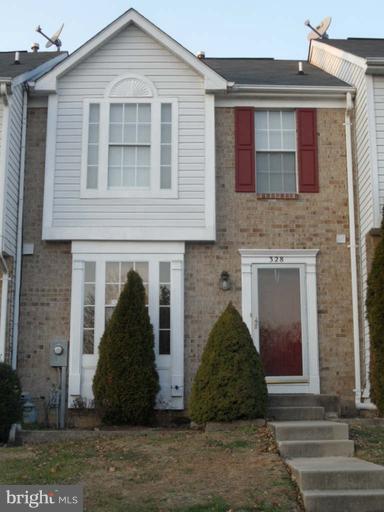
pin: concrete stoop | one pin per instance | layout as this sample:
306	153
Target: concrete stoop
320	456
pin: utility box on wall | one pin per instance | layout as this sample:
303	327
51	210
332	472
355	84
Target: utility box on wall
58	353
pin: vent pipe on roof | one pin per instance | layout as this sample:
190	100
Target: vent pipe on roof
200	55
300	72
17	58
35	47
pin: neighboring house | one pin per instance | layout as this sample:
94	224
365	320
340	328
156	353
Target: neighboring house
217	180
16	68
360	62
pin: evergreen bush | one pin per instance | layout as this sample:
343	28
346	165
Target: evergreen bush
230	383
10	400
375	316
126	381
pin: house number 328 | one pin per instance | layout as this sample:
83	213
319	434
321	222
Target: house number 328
276	259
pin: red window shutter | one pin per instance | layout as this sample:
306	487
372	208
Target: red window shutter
307	150
245	149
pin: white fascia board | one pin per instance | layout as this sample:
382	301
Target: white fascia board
204	234
293	90
342	54
93	247
213	81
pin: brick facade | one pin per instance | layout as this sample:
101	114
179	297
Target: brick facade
46	275
308	222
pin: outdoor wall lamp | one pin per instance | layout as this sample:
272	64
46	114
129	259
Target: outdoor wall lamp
225	282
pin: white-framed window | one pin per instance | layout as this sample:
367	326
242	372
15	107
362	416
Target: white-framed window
275	144
130	147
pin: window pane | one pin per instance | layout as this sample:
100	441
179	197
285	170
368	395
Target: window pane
289	162
143	156
288	120
261	120
92	176
262	162
111	293
114	177
144	113
89	316
130	136
93	133
275	162
166	132
130	113
289	182
94	112
116	113
126	266
165	317
164	342
274	120
165	155
88	341
89	294
165	295
262	140
166	113
275	140
129	179
142	269
142	177
89	271
276	183
116	133
112	272
93	154
165	177
114	158
289	140
144	133
108	314
129	156
262	184
165	271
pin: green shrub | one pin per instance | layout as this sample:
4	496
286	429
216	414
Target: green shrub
126	381
375	316
10	400
229	383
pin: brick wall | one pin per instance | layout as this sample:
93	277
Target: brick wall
311	221
46	275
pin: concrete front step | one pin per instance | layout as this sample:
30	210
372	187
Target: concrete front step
331	403
371	500
336	473
309	430
325	448
296	413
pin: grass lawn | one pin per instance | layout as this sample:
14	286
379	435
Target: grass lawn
162	470
369	441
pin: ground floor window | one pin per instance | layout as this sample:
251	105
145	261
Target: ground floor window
99	275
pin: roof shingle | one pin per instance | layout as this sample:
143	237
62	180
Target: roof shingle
28	61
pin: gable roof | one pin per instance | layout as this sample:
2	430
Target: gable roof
361	47
248	71
213	81
28	61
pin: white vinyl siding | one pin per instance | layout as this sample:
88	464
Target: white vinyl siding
378	88
12	176
354	74
131	51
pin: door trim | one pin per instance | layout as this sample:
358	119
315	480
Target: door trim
306	259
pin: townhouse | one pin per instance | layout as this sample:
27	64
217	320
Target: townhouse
217	180
16	69
359	62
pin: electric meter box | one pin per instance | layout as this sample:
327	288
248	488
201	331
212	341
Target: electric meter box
58	353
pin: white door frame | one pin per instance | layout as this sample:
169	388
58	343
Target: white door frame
305	259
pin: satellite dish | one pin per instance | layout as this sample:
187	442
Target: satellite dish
54	40
320	32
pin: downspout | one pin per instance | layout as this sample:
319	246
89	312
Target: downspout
352	246
3	307
19	241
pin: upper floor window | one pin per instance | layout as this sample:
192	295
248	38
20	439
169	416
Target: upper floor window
275	144
130	143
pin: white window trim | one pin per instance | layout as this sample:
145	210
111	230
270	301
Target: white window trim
305	258
101	252
154	190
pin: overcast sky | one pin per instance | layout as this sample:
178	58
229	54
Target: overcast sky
233	28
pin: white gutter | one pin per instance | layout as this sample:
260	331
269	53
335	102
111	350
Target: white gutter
352	246
293	89
19	240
